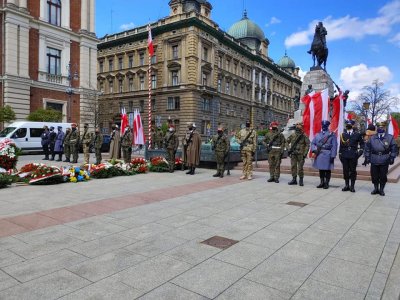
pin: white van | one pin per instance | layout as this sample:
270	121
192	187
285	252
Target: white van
26	135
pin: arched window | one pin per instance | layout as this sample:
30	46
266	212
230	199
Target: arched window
54	12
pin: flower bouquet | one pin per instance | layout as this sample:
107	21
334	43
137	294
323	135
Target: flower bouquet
106	170
178	163
138	165
5	180
77	174
158	164
43	174
8	155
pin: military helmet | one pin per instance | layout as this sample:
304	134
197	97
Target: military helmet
350	122
381	124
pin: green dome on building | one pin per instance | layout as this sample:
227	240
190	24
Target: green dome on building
286	62
246	30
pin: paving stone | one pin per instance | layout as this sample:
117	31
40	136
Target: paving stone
8	257
344	274
269	238
357	253
209	278
377	285
280	274
51	286
145	231
290	227
249	290
6	281
10	242
244	255
191	231
303	253
193	252
106	265
217	220
96	226
106	289
103	245
387	258
319	237
171	291
332	224
152	273
316	290
178	220
366	238
156	245
392	288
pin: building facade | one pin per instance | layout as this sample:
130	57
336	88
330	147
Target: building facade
48	57
199	73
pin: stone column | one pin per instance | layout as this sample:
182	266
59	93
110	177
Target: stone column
23	4
92	16
84	15
12	2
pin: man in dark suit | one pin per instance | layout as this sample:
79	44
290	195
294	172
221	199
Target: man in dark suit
351	148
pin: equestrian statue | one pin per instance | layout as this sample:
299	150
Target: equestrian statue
319	50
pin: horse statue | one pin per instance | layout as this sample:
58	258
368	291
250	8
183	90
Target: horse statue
318	50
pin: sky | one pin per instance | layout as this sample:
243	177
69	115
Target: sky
363	35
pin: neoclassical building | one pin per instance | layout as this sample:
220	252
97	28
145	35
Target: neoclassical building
199	73
46	46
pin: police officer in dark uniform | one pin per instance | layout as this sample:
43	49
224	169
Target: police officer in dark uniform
351	148
380	151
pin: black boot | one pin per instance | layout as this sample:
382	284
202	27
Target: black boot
271	179
52	157
353	182
217	174
327	179
66	160
381	189
192	173
59	157
346	186
294	181
189	170
301	183
321	184
376	190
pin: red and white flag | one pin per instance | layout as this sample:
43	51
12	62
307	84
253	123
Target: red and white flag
150	45
124	120
393	127
337	121
316	110
138	130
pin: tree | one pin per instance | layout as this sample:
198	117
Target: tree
380	102
7	114
396	116
45	115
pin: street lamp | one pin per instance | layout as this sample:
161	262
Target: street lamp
366	105
70	90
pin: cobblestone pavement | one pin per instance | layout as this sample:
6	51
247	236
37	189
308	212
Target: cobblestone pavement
140	237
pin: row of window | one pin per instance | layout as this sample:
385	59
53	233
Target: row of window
121	64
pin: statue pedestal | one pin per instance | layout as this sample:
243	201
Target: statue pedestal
319	80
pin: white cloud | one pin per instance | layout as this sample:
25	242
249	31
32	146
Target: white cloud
302	74
127	26
374	48
274	20
354	78
396	40
351	27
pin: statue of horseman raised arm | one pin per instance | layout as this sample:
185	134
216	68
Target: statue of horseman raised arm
319	49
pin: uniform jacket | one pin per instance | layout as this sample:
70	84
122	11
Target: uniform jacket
74	137
52	138
193	148
328	150
86	137
45	138
379	151
171	141
126	139
302	146
251	143
98	140
220	143
59	141
274	139
115	145
66	138
351	144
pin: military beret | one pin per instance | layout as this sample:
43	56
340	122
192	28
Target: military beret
352	122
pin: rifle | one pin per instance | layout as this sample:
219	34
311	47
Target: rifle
271	142
294	144
244	143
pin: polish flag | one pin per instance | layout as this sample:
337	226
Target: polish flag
393	127
316	110
138	130
150	45
124	120
337	121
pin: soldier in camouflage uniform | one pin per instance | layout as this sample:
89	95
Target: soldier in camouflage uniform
275	142
74	143
247	138
126	145
220	144
171	143
159	138
86	140
298	145
98	142
67	148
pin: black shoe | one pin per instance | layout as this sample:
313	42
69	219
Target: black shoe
51	159
46	158
381	189
276	180
271	179
352	189
293	182
216	174
221	176
192	173
326	185
321	185
346	188
301	183
58	160
375	191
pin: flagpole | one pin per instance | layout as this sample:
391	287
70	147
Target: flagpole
149	104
